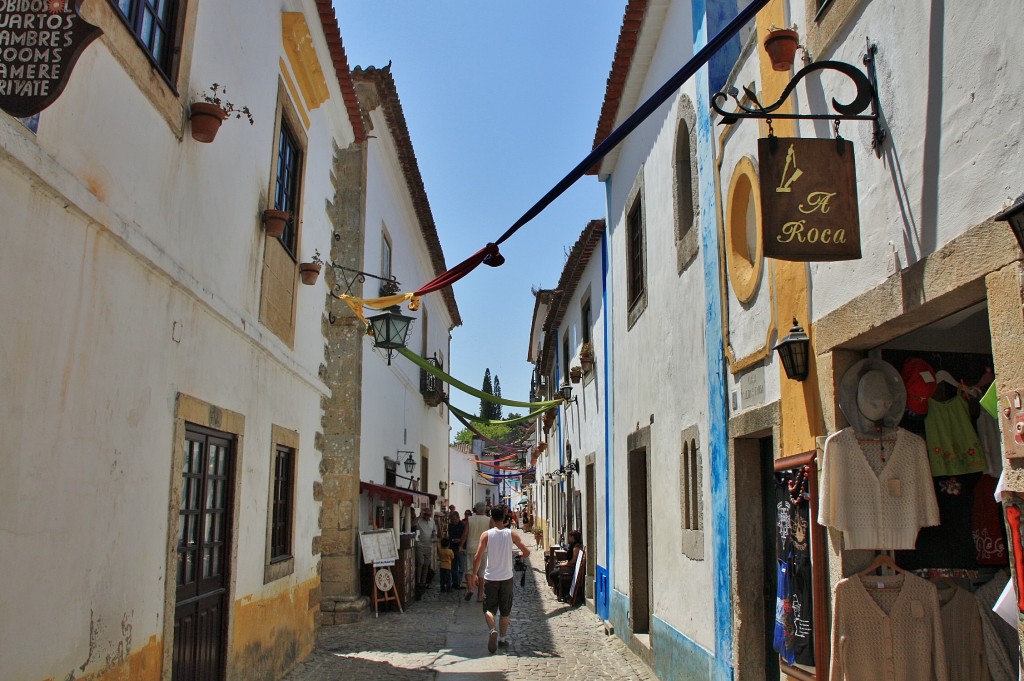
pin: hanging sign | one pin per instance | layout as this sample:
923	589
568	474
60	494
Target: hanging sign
40	41
808	199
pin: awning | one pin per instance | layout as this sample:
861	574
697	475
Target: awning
396	494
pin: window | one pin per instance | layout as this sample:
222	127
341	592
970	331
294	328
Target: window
283	504
280	267
636	278
286	186
386	288
691	495
565	356
154	23
585	321
687	198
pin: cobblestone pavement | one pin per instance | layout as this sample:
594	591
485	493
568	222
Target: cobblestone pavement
442	637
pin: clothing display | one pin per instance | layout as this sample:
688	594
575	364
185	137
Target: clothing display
873	510
987	528
962	637
991	443
953	446
793	636
887	629
950	544
1002	653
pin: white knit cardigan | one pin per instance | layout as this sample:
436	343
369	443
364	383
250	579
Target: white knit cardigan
883	511
901	643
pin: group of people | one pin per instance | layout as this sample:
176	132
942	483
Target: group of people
488	538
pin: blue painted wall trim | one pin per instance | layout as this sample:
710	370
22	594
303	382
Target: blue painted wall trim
718	463
602	605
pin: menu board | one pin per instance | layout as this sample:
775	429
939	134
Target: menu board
378	546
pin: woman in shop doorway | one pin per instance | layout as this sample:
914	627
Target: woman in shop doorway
567	566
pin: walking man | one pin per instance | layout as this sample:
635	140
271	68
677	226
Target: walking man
478	524
426	535
496	543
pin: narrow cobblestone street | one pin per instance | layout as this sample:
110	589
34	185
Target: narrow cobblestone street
444	637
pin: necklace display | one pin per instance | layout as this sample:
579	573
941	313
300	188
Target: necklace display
881	439
798	485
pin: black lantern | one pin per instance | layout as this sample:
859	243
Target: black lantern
1015	216
573	467
390	329
794	351
566	391
409	463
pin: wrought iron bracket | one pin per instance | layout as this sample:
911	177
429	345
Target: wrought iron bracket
867	95
348	277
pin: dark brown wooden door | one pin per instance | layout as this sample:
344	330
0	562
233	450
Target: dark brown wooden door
204	524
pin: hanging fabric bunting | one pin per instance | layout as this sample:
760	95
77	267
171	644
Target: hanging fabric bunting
494	443
357	304
490	461
455	383
507	422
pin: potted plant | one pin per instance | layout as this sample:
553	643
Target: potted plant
575	374
781	44
309	271
207	115
587	355
274	221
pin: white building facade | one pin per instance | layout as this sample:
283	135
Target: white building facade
166	373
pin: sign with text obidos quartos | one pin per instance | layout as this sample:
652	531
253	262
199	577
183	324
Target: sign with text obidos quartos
808	199
40	41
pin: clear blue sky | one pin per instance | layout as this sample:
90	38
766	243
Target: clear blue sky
502	101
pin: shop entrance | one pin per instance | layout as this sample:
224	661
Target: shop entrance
958	567
639	542
591	536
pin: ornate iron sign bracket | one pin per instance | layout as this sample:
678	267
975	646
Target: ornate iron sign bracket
867	95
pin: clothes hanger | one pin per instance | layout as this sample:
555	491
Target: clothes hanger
882	560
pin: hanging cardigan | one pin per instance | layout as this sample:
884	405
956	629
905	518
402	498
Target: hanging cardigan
882	511
899	640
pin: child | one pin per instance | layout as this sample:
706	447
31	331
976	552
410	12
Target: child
444	559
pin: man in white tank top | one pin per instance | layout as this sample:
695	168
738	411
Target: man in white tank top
496	543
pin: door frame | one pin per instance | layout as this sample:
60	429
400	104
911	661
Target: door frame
188	409
638	446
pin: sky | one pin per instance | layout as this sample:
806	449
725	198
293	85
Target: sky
502	101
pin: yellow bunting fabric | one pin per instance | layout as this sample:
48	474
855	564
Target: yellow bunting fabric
357	304
455	383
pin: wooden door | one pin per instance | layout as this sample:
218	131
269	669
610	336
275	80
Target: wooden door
204	524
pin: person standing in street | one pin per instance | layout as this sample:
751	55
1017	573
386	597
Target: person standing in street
426	534
478	524
497	543
457	535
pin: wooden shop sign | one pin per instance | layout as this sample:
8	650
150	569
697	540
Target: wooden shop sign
808	199
40	41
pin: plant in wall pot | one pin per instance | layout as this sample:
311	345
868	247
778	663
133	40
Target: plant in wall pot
309	271
207	115
575	374
781	44
587	355
274	221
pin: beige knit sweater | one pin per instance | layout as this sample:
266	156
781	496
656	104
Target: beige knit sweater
877	511
889	634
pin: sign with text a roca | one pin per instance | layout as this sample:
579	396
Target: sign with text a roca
808	199
40	41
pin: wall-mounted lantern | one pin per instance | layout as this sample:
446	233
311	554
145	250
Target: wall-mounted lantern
794	351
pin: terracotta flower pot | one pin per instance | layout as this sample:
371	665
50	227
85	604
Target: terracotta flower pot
205	121
274	221
308	272
575	374
781	45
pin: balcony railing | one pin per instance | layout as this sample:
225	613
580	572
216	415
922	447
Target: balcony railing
431	387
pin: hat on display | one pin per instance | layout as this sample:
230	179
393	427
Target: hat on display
919	380
872	396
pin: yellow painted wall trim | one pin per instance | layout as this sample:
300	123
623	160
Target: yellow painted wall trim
744	272
294	92
298	47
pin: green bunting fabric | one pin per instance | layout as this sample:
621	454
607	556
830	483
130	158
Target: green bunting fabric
456	383
507	422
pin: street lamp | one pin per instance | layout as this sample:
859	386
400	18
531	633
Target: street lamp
409	463
794	351
390	329
566	391
1015	216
